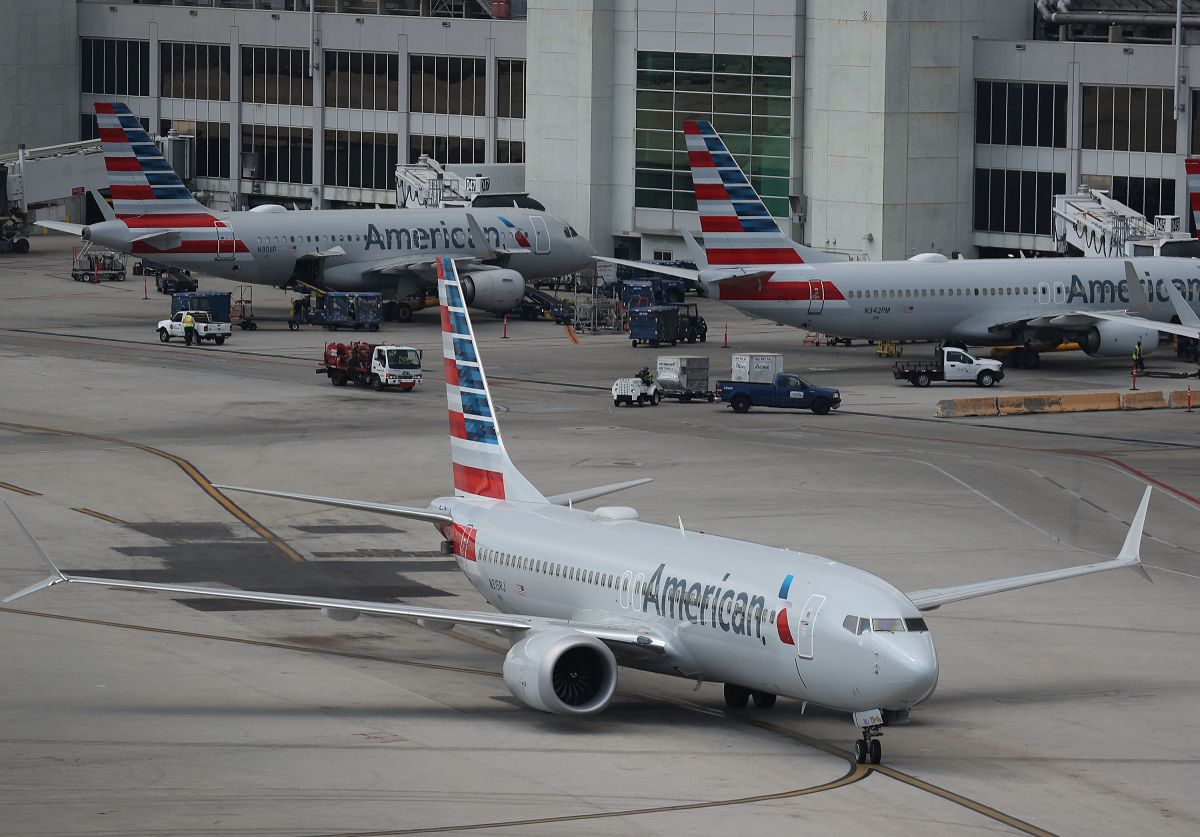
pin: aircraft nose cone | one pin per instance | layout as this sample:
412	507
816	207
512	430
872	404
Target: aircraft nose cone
914	670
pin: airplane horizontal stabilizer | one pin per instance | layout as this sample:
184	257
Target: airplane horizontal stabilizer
427	515
665	270
599	491
61	226
1129	556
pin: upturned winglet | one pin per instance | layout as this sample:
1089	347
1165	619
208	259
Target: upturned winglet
55	576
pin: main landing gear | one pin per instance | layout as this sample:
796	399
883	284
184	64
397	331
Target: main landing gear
868	750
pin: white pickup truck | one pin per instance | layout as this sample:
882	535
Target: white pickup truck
950	364
206	329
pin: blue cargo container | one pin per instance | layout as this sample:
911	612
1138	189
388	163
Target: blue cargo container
654	325
338	309
216	303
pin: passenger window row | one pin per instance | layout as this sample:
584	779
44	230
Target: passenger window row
551	568
909	293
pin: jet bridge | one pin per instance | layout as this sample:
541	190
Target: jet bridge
1098	225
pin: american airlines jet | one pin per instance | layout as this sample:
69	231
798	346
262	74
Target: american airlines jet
387	250
584	592
1037	303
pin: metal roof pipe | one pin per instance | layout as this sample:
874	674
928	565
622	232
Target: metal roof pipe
1120	18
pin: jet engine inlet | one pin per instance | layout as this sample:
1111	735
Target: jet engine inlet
495	291
561	672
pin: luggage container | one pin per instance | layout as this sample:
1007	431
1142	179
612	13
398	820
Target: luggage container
353	310
655	325
683	377
216	303
756	367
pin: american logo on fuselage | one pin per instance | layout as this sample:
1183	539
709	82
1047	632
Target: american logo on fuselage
1106	290
725	609
441	237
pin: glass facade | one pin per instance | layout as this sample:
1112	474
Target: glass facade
510	88
510	151
114	67
275	76
212	144
1020	113
284	153
362	80
362	159
747	98
1128	119
1008	201
446	149
1148	195
447	84
194	71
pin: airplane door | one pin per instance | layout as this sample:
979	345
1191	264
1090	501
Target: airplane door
541	235
806	626
816	297
224	241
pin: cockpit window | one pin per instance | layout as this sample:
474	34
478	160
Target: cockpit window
856	624
916	624
888	625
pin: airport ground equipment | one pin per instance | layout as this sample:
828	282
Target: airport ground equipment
683	377
217	304
206	328
665	290
337	310
538	304
784	391
692	327
635	391
167	280
90	263
1101	226
951	365
369	364
654	325
756	367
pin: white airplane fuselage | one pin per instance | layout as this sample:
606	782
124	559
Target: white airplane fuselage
263	247
713	597
952	299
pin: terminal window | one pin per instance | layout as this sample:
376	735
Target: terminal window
510	88
446	149
362	80
1020	113
194	71
1128	119
275	76
284	153
1008	201
114	67
212	144
747	98
360	159
447	84
510	151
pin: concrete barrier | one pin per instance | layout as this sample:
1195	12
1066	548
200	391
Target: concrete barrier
1179	398
1013	405
1080	402
1143	400
961	407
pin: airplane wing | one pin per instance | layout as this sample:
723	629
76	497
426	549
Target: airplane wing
427	515
409	264
665	270
1130	556
1188	325
632	635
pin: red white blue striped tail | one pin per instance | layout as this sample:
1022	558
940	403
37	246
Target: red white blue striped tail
738	229
482	468
1192	166
142	182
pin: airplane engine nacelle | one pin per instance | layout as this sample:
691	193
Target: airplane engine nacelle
1110	339
494	291
562	672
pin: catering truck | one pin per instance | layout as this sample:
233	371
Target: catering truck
368	364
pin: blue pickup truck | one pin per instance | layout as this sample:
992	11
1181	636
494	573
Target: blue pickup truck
788	390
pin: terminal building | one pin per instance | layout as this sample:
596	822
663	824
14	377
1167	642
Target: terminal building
877	130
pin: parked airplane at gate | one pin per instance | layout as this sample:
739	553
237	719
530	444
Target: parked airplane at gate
586	591
388	250
749	264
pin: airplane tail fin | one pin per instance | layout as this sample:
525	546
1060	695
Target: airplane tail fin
1191	165
482	468
738	228
142	182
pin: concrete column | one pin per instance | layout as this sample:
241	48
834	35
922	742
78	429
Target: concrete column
402	104
155	82
317	62
489	107
235	122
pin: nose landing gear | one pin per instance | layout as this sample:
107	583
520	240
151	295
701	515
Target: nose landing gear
868	749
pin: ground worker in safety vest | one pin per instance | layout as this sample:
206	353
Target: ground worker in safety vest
189	328
1139	362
